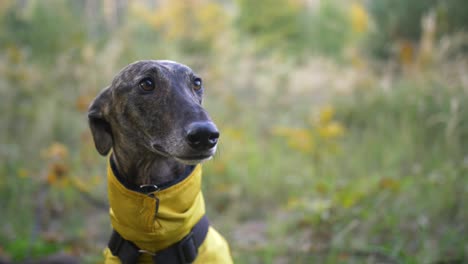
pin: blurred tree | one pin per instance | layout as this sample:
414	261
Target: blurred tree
192	25
396	20
399	21
5	5
92	9
274	24
452	15
329	29
295	27
32	25
114	11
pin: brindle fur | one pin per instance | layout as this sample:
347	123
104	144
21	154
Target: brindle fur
147	130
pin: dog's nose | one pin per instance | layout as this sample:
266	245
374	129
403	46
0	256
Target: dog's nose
202	135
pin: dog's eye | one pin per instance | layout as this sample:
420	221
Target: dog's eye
197	82
147	84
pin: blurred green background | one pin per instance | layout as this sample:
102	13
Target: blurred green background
344	124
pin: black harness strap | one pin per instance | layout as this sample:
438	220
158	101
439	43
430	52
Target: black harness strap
182	252
125	250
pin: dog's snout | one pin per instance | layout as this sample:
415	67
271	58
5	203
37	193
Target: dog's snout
202	135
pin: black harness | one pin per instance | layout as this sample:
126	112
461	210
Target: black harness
182	252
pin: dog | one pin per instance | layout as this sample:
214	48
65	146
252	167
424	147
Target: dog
151	117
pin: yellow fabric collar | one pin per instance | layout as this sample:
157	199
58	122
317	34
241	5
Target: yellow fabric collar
133	214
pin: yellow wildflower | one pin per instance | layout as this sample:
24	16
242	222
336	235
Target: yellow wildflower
359	18
15	54
219	167
79	185
297	138
82	102
348	201
282	131
321	188
331	130
23	173
326	114
406	52
57	173
211	18
301	140
222	187
96	180
389	184
56	150
293	203
233	133
145	14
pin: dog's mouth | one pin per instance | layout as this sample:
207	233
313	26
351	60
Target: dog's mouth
159	150
193	160
185	159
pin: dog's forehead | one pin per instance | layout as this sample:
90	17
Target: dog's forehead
144	67
173	66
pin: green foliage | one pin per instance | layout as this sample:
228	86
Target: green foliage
40	31
398	179
412	139
397	20
23	248
400	19
452	16
435	114
328	29
274	24
290	28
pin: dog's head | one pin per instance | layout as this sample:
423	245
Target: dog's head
154	106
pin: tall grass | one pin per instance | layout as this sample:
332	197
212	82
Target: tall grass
392	190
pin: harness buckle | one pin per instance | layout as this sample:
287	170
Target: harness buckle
142	251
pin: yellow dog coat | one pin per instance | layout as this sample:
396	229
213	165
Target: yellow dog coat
138	218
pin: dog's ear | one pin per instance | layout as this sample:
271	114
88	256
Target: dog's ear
100	127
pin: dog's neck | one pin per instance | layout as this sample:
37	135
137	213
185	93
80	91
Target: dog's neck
146	167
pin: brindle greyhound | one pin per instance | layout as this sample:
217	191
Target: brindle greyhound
152	118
